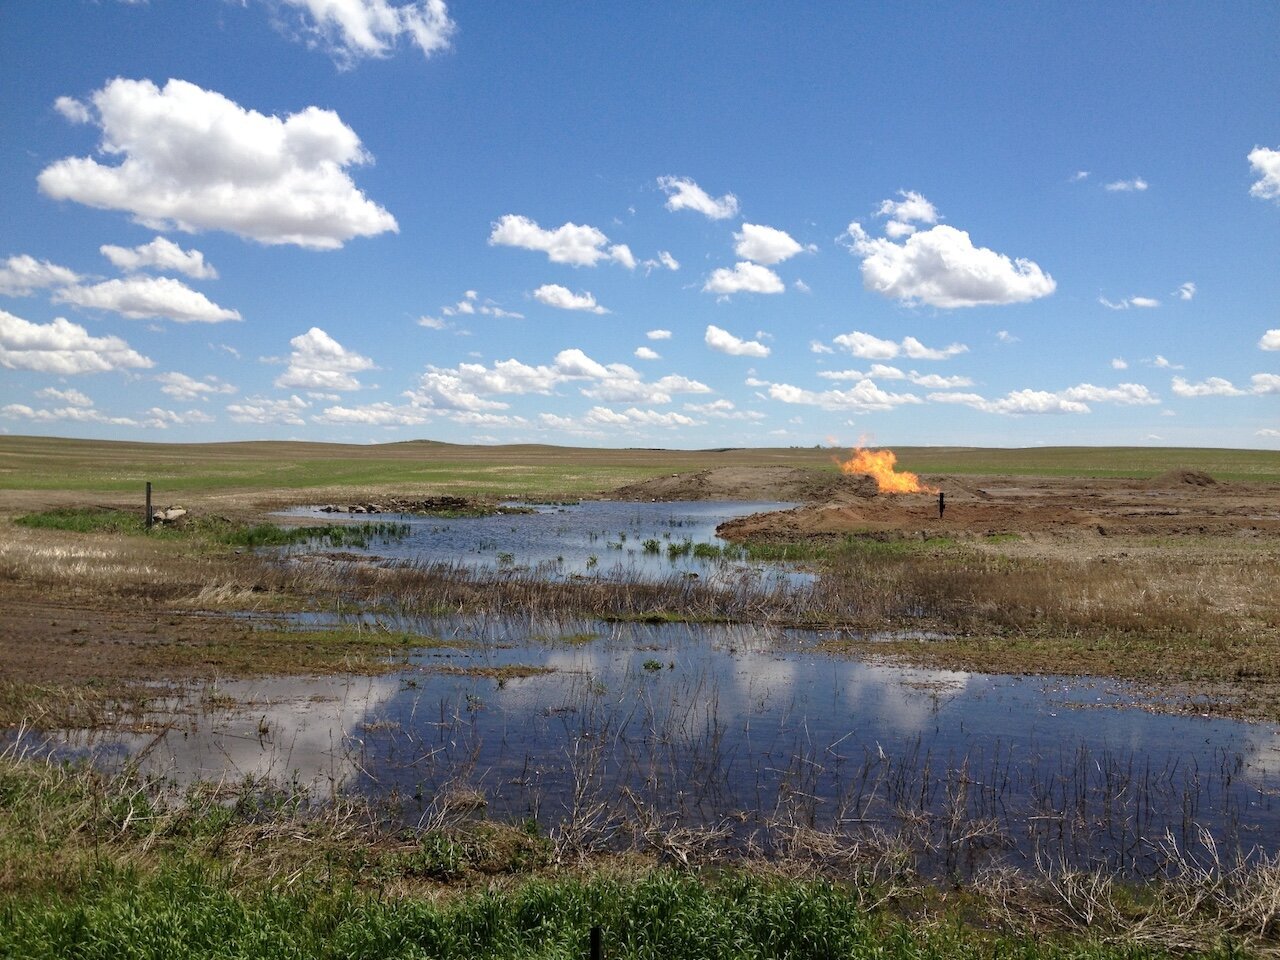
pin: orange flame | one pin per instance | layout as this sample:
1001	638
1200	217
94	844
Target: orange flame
880	465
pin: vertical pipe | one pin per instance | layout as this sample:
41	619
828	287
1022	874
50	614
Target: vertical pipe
597	944
149	519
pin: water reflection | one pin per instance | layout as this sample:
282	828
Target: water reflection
622	541
298	731
730	726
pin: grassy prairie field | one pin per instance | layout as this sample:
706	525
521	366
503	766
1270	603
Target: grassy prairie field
273	467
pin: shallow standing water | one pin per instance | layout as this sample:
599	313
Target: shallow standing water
742	729
617	540
600	730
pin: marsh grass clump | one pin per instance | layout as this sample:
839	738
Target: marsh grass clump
333	536
718	551
85	520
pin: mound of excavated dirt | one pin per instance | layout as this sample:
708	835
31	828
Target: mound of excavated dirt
1173	479
752	483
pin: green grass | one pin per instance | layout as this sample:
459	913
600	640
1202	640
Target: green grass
46	463
191	912
86	520
213	529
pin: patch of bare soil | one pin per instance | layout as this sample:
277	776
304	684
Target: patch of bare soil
52	639
1178	503
1173	479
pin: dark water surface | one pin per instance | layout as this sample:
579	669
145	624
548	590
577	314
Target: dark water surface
597	730
743	729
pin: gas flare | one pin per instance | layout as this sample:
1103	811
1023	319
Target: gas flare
880	465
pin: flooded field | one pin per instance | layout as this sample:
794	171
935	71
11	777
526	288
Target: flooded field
740	737
611	734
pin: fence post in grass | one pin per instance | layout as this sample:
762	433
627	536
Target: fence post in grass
149	515
597	944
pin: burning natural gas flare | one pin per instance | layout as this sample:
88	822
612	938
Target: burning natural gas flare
880	465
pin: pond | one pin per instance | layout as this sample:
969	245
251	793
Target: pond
599	731
616	540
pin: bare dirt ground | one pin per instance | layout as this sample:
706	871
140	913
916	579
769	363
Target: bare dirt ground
1179	503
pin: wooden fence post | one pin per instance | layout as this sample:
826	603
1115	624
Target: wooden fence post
149	514
597	944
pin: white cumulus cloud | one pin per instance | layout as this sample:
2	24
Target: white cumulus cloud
141	298
864	396
1270	340
160	254
579	245
934	381
1264	383
633	416
1140	302
1136	185
766	245
352	29
158	418
904	213
71	397
627	387
1015	403
374	415
659	334
268	410
726	342
942	268
191	159
1128	394
684	194
23	275
62	348
182	387
319	362
723	410
74	414
1266	165
1210	387
467	386
646	353
870	347
73	110
562	298
745	276
1185	291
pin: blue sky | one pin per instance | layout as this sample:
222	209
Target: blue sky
641	224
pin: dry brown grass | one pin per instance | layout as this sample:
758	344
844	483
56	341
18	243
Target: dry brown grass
1210	613
1200	899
